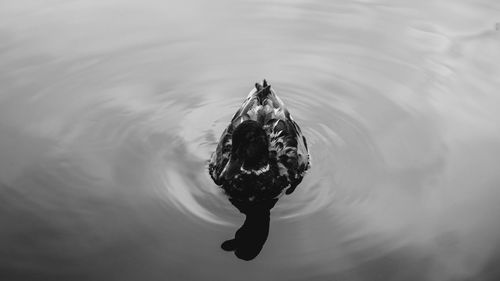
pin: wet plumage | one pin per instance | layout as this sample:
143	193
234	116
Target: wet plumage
262	152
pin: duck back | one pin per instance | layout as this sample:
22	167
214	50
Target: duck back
288	152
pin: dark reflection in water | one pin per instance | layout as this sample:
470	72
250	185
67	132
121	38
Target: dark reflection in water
250	238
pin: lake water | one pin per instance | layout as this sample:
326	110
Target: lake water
109	111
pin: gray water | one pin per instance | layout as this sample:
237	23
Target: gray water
109	111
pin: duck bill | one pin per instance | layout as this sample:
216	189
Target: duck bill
231	169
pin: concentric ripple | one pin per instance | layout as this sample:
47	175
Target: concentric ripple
110	110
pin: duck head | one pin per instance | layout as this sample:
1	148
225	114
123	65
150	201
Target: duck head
249	152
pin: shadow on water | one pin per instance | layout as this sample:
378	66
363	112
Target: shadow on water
252	235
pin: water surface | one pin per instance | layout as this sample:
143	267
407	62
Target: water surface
109	111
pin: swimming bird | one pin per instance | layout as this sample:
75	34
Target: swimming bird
261	154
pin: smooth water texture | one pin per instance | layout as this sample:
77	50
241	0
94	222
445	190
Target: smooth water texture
109	111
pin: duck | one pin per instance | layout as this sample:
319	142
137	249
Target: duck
262	153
